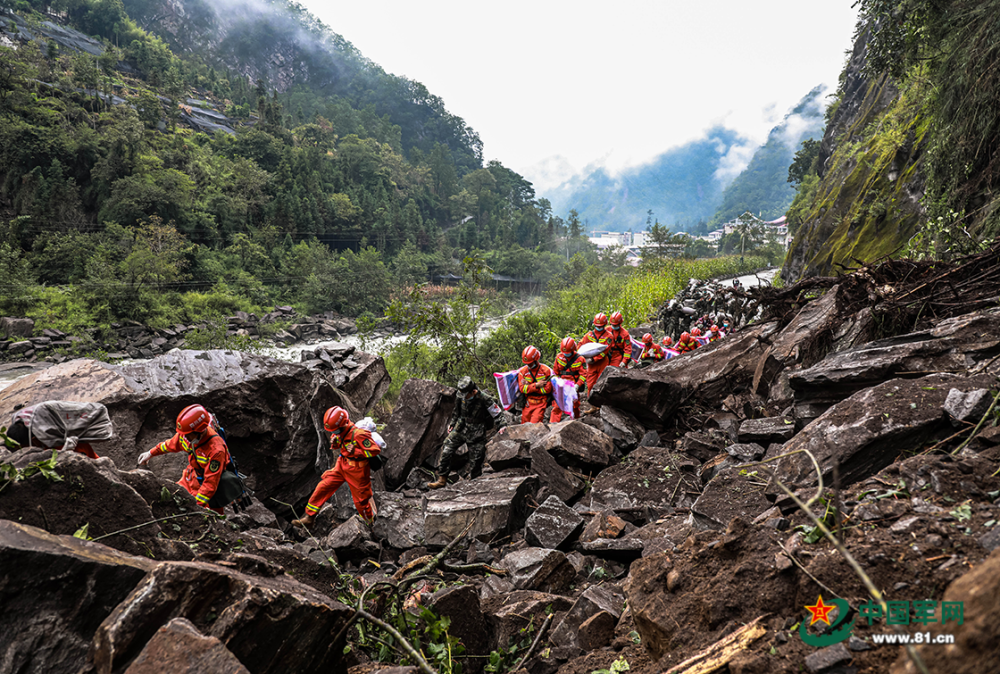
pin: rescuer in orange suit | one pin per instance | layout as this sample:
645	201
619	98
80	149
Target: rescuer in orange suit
207	454
599	335
571	366
714	334
353	447
667	342
620	345
686	343
651	351
534	380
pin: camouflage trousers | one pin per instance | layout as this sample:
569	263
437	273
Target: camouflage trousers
477	451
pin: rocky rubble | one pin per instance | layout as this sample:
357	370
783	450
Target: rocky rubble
280	327
657	528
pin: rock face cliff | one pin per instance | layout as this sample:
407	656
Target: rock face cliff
867	204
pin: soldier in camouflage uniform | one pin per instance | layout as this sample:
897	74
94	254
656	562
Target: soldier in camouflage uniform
472	423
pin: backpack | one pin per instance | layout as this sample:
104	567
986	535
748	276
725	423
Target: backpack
232	489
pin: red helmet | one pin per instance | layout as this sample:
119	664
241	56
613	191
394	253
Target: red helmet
193	419
667	341
684	337
647	338
714	328
530	355
696	332
335	419
617	319
568	345
600	320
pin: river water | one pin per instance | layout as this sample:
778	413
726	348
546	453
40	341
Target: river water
379	346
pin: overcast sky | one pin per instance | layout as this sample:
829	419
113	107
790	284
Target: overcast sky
554	87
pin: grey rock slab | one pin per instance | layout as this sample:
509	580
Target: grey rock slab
554	479
767	430
417	427
575	444
624	429
867	431
539	569
595	599
968	406
552	524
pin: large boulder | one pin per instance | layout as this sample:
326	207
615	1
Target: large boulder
704	376
552	524
368	380
623	428
88	493
55	591
179	648
417	427
272	410
270	624
16	327
952	345
804	341
497	503
539	569
575	444
461	604
594	600
866	432
555	480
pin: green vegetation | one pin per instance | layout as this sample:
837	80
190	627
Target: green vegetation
444	341
121	212
937	137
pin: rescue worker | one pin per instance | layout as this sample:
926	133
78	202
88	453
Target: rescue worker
686	343
596	365
472	423
207	453
620	345
651	351
570	366
667	342
534	380
353	447
714	334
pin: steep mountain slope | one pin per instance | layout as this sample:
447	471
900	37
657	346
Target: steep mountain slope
280	43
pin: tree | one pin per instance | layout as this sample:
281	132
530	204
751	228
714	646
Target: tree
804	162
130	266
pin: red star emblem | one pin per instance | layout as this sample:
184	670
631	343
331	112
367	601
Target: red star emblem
820	611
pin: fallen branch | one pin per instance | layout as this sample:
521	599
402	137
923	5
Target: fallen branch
719	654
473	568
439	557
206	514
534	644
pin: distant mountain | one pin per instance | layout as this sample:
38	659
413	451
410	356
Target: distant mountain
709	180
281	44
763	187
680	187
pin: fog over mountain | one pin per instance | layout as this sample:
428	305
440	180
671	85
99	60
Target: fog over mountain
707	180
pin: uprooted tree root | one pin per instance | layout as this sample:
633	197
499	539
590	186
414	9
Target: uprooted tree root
901	293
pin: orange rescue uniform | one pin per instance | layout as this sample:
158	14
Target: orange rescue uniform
206	461
353	446
570	366
690	345
619	347
597	364
652	352
536	385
